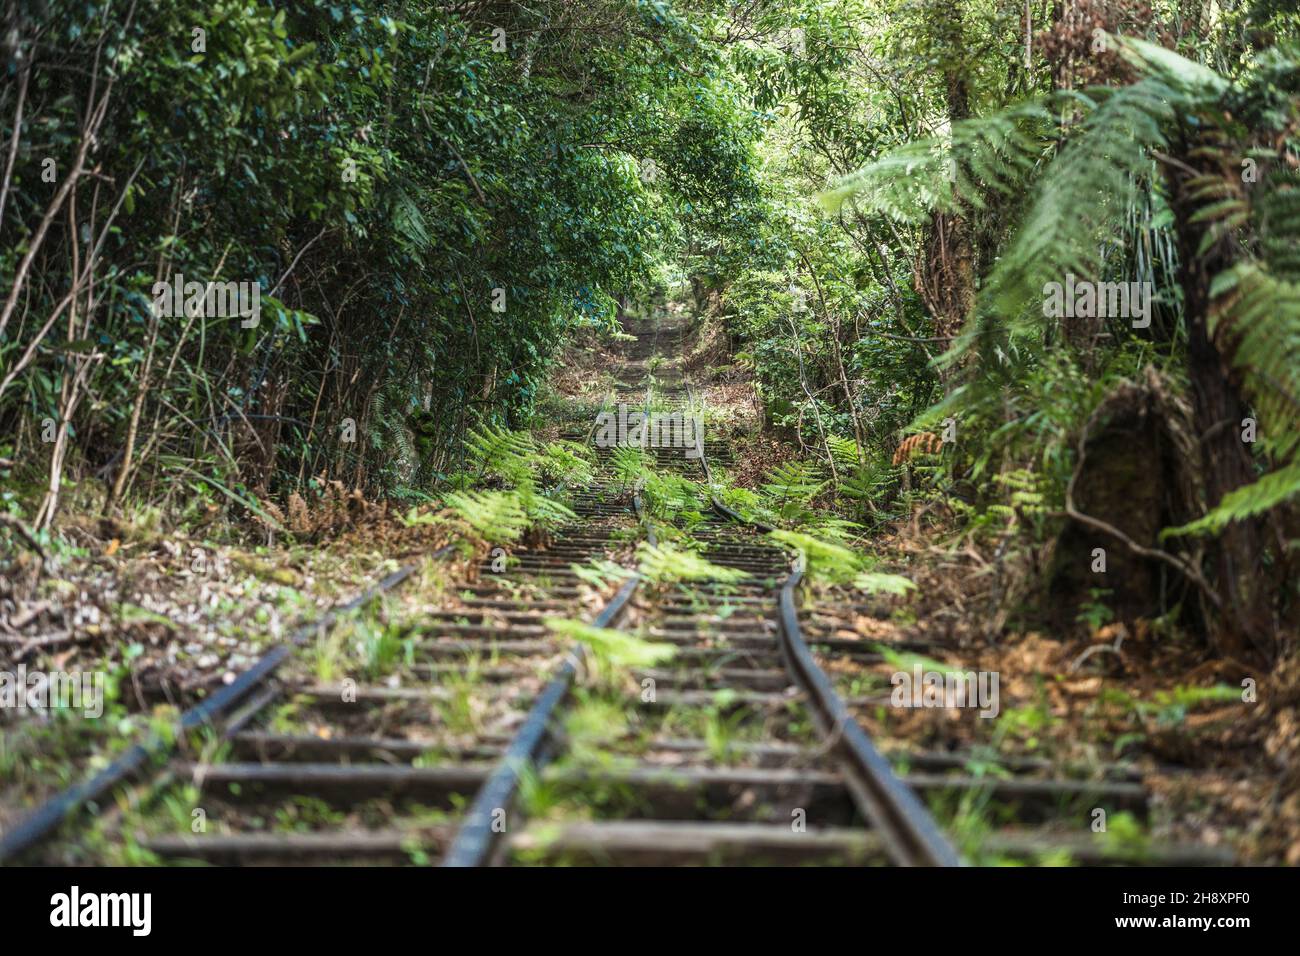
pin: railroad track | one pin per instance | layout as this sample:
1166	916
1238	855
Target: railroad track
738	749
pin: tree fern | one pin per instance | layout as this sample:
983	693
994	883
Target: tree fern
1084	200
1262	314
1078	209
1104	168
997	151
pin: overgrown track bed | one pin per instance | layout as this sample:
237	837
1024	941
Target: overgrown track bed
722	753
739	743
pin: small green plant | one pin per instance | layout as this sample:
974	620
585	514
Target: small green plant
721	732
459	710
1125	836
382	649
1094	613
593	723
615	652
1168	708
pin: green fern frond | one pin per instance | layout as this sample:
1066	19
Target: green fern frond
1277	208
600	573
628	464
567	462
1172	68
867	482
614	651
997	151
1261	314
877	582
498	516
822	560
910	660
829	527
844	451
542	510
387	428
1081	206
672	497
795	481
1029	492
747	503
1248	501
501	452
667	564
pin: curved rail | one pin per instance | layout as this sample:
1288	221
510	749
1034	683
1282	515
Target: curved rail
908	831
477	839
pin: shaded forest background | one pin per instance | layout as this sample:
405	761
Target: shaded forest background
864	200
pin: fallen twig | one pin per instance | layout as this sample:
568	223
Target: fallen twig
24	533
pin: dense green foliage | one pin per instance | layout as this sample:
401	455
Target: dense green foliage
428	195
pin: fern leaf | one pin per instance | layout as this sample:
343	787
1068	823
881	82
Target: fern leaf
666	563
496	515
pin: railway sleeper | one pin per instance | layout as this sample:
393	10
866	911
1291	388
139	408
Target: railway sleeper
661	843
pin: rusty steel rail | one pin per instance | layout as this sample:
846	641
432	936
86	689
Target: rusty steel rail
477	839
909	833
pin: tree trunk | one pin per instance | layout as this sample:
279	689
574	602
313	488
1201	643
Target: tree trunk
945	276
1245	630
